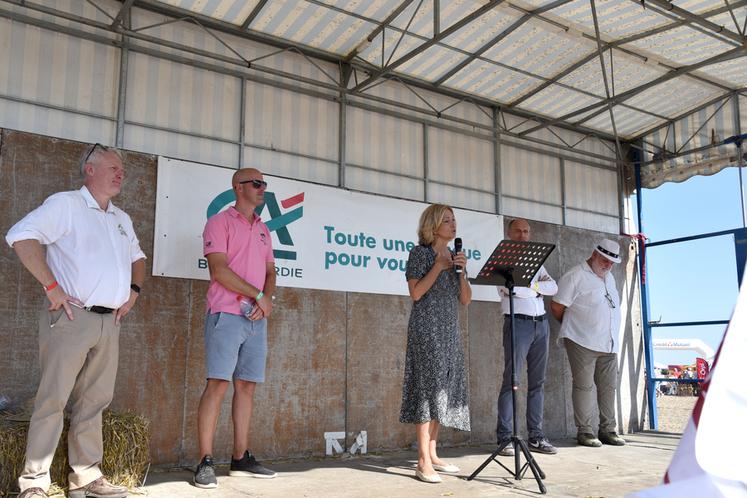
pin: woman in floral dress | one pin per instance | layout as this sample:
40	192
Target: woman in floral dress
435	386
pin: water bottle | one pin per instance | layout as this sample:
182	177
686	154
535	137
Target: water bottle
246	305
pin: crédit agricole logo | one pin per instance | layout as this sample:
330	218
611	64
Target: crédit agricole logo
277	222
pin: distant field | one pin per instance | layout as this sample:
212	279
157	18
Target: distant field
674	412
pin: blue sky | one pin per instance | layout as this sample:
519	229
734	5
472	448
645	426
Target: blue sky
695	280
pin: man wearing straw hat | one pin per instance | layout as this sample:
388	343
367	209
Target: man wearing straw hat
588	307
91	275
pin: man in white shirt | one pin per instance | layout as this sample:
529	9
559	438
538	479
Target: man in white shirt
532	339
91	275
588	307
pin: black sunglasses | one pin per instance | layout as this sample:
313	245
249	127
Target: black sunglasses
255	183
88	156
609	299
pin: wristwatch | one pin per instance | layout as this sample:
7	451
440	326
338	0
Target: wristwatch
135	287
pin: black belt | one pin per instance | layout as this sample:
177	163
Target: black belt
540	318
101	310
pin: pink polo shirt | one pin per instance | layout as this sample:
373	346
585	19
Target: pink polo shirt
248	249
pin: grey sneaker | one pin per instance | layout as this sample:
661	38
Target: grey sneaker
611	438
33	493
587	439
205	474
541	445
508	450
248	466
100	488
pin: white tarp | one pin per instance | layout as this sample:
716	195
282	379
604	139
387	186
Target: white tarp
323	237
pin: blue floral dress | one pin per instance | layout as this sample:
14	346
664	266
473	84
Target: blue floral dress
435	385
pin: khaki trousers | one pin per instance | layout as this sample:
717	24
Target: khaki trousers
78	362
590	368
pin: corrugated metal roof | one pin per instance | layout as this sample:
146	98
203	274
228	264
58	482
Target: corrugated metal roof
513	54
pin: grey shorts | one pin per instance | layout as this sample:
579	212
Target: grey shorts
235	348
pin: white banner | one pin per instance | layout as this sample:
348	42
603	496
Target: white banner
323	237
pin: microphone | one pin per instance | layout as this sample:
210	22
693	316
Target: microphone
458	248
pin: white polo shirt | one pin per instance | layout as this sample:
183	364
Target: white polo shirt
589	320
527	301
89	250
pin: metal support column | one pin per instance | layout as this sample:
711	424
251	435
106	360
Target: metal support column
497	162
648	343
342	134
740	155
425	162
562	191
122	90
242	121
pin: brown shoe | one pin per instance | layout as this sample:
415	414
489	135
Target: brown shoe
100	488
611	438
33	493
586	439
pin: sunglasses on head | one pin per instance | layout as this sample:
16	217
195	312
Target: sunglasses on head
255	183
90	151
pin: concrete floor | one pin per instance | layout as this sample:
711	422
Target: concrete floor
574	472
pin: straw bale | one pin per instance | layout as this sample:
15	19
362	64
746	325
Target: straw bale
126	455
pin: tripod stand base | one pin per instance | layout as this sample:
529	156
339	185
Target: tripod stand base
520	447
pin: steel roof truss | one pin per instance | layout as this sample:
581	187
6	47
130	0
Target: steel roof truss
437	38
379	29
618	149
253	15
682	116
618	45
503	34
97	8
722	57
711	27
726	100
124	11
401	36
734	18
221	26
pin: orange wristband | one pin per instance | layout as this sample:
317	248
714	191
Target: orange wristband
50	287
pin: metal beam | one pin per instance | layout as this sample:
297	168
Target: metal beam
318	54
488	103
503	34
553	80
272	41
695	133
690	152
734	18
679	117
123	12
232	29
497	170
436	17
618	149
696	19
253	14
386	22
618	44
723	57
543	146
740	155
425	46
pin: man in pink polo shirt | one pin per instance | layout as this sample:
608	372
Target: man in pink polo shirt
238	248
